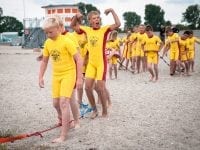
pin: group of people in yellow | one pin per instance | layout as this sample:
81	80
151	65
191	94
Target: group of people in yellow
69	53
142	46
82	56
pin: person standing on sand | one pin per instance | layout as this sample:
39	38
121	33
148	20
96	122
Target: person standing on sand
151	46
172	44
65	59
97	64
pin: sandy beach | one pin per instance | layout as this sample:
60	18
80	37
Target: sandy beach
145	116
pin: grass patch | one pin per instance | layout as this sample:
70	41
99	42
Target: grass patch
3	147
7	133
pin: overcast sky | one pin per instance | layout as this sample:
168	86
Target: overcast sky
32	8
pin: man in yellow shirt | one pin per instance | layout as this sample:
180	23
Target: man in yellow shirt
151	46
133	39
191	40
140	57
66	65
97	63
172	44
113	46
183	51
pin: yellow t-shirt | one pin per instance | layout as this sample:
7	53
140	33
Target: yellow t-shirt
96	43
72	37
173	45
81	38
140	39
151	44
61	52
191	43
113	45
182	45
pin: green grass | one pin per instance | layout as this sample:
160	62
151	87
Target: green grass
7	133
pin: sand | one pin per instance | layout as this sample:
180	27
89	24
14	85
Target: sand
144	115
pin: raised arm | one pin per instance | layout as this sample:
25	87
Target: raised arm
117	23
76	22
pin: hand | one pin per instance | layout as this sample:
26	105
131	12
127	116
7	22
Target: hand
79	16
107	11
41	83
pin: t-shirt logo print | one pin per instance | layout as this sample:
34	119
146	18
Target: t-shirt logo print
93	40
55	54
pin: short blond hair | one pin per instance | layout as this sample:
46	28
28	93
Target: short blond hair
54	21
91	13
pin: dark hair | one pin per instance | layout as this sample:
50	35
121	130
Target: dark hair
149	28
186	32
175	30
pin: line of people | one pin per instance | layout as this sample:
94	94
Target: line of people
69	53
142	49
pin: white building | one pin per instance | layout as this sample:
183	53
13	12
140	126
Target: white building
66	12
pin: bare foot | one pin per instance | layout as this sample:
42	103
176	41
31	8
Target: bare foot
156	79
77	124
151	78
109	106
94	115
105	116
59	140
59	121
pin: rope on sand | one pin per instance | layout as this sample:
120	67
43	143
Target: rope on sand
37	133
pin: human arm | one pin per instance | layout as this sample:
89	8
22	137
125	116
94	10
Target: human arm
79	65
43	67
165	49
117	23
75	23
197	40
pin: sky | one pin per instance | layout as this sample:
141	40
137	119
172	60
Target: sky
32	8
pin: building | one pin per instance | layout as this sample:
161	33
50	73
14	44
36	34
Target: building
66	12
34	36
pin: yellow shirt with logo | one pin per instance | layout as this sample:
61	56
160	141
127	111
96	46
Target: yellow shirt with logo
96	43
61	52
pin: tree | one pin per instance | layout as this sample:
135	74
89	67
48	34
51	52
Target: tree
168	23
192	16
85	9
154	16
10	24
131	19
1	12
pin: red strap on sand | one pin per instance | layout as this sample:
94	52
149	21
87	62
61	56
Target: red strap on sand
22	136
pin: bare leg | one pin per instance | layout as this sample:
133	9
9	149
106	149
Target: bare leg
75	110
156	71
89	84
65	109
127	62
56	104
187	68
110	71
151	71
108	98
80	94
115	70
178	66
103	96
192	65
144	63
172	67
121	64
133	64
138	64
